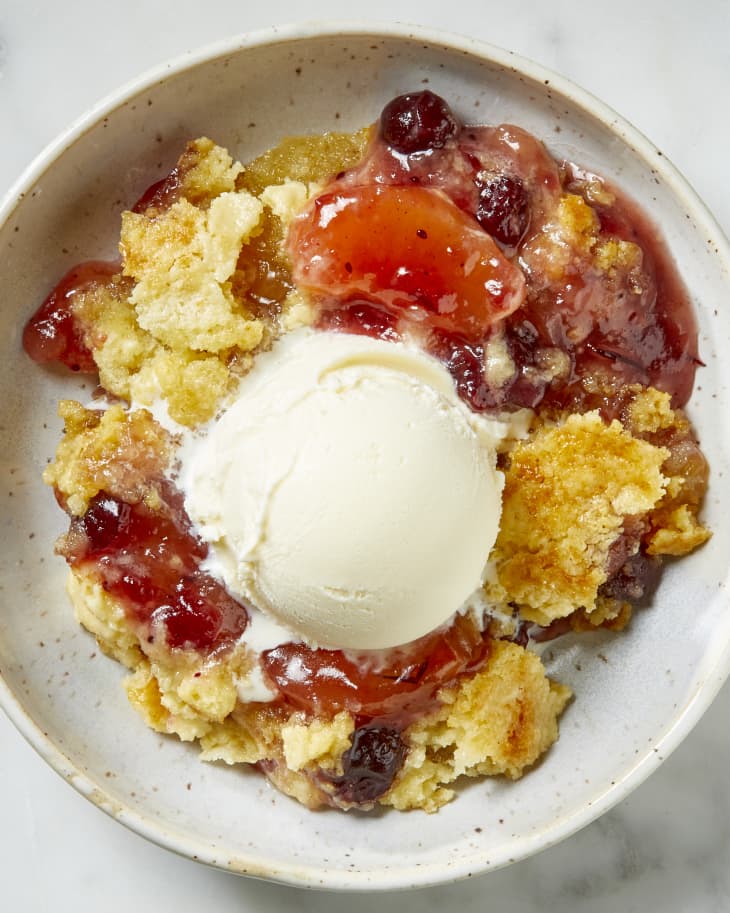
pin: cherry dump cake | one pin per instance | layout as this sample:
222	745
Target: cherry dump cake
377	412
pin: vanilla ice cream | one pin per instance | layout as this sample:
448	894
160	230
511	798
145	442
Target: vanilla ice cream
348	491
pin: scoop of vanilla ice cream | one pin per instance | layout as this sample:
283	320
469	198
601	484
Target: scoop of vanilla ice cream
348	491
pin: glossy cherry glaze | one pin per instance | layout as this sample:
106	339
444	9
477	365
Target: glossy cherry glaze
150	559
390	686
53	334
162	194
409	249
616	326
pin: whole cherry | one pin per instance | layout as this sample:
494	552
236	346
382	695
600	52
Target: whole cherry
417	122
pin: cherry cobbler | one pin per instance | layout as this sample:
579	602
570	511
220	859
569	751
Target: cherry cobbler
552	308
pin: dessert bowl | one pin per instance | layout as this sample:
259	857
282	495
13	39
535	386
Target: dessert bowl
637	693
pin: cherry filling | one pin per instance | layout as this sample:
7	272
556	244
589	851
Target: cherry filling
504	208
162	194
418	122
390	686
361	319
53	334
429	229
408	249
370	764
465	362
150	559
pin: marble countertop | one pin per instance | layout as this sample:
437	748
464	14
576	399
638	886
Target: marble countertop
667	847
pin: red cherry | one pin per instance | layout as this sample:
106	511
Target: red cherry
410	250
417	122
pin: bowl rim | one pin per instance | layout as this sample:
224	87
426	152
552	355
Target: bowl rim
717	668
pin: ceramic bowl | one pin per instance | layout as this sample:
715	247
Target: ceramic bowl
637	694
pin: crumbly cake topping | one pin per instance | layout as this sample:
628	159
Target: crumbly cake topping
123	453
206	170
308	159
567	492
169	326
182	261
500	721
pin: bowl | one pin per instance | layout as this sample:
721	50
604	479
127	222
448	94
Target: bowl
637	694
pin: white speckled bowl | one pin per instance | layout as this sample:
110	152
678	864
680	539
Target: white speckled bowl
637	694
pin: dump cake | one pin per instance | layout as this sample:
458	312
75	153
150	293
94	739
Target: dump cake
377	412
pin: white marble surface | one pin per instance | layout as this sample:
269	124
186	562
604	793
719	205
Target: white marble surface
666	68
